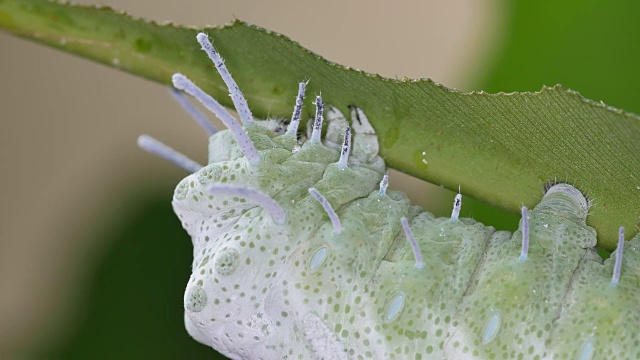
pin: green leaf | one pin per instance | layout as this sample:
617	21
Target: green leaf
500	148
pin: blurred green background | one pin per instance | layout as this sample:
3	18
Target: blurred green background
93	263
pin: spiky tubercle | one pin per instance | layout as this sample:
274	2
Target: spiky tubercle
234	91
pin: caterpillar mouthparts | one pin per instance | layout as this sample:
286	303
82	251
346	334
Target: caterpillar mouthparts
300	251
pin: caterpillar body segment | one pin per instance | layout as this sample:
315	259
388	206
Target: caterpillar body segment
515	302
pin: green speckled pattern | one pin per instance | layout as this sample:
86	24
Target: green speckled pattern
299	291
509	313
599	316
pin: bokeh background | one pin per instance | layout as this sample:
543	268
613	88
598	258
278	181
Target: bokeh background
93	262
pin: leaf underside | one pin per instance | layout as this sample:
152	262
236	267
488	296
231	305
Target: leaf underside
499	148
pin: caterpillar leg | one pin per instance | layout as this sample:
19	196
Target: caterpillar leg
365	142
336	123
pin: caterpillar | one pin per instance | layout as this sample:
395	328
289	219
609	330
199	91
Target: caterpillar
301	251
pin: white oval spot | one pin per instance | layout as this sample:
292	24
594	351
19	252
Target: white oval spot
318	258
587	351
394	307
491	328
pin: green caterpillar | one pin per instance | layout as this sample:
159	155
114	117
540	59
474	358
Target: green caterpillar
300	251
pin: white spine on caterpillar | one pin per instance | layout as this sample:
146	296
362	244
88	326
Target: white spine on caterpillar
273	279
